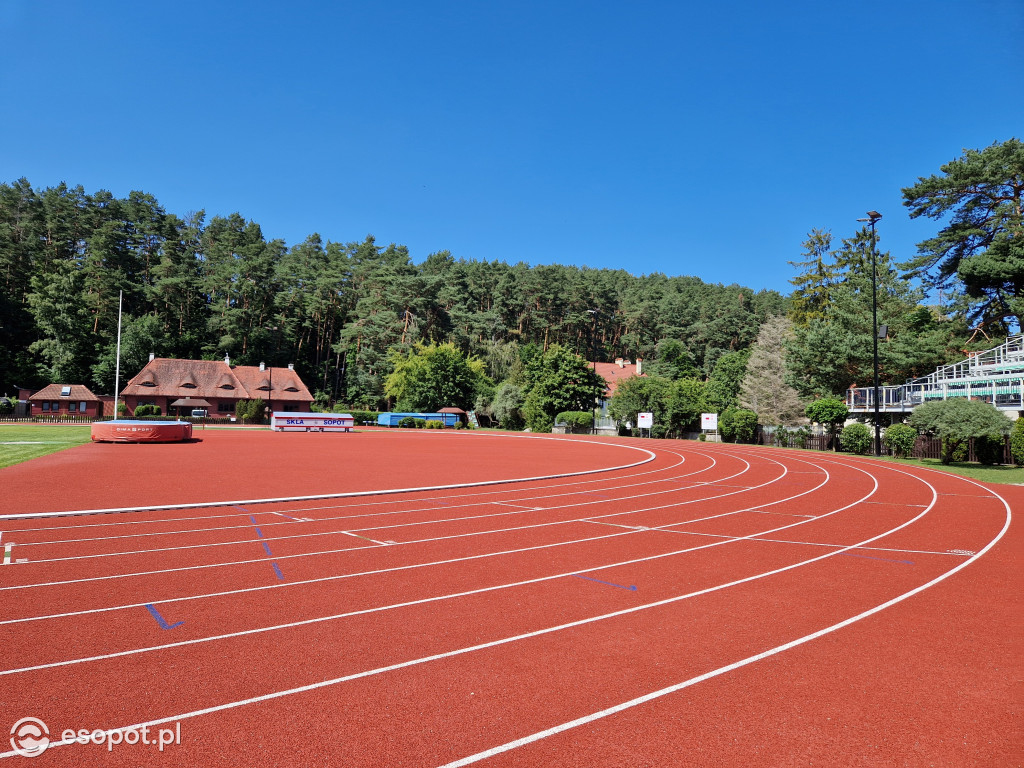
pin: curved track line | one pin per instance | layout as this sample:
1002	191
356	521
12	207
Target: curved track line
437	598
439	538
350	494
735	665
549	630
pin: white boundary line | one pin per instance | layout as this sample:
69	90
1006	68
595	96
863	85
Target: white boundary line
352	494
581	622
523	741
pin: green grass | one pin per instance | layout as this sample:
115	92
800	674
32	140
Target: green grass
985	474
41	440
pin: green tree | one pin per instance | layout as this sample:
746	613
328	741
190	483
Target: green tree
726	379
1017	442
830	412
507	405
982	246
558	380
431	377
810	297
957	420
642	394
688	399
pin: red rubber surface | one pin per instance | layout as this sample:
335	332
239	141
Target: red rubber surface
719	605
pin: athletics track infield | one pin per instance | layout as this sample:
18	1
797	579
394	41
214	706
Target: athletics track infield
636	603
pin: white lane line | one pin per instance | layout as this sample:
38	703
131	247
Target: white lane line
386	570
436	598
350	494
948	552
495	492
581	622
523	741
237	542
356	535
361	515
417	541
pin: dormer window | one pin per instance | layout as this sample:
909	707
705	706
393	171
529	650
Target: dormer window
188	385
65	391
291	388
147	383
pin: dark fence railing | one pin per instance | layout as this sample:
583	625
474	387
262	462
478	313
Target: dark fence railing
925	447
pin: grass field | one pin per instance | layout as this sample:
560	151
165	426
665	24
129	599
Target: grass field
21	442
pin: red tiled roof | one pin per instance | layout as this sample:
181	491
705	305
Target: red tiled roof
614	375
79	392
215	379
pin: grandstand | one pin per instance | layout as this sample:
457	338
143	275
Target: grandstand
995	376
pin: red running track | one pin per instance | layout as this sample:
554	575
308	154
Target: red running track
712	605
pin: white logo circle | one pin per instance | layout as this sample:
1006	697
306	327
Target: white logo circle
30	737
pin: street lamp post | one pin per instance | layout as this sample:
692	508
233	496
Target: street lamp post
593	357
873	217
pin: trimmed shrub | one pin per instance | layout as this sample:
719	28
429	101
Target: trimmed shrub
420	423
1017	442
576	421
855	438
458	425
407	422
738	425
434	424
900	439
989	449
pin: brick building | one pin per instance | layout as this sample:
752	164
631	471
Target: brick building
180	386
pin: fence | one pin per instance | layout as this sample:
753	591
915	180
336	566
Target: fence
925	447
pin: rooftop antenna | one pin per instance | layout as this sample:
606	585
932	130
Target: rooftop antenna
117	355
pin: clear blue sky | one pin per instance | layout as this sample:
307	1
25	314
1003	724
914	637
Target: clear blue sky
689	138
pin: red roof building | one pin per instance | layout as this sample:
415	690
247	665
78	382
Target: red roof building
617	372
216	386
64	399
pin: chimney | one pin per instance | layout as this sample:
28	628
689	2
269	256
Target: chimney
152	357
618	361
227	360
291	366
639	367
263	366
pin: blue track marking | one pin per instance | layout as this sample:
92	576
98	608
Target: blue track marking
883	559
266	547
160	619
631	588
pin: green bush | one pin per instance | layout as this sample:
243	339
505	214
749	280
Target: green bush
6	406
147	410
458	425
954	450
434	424
576	421
738	425
856	438
407	421
988	450
420	423
1017	442
900	440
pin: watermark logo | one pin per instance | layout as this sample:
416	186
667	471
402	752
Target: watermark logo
30	737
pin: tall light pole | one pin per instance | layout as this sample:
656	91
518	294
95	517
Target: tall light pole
593	357
873	217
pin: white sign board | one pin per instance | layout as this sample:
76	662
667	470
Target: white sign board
645	420
709	421
289	421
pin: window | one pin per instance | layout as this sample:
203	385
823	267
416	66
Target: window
54	406
81	407
223	407
65	391
72	407
46	405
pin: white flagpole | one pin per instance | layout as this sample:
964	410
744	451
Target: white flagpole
117	357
